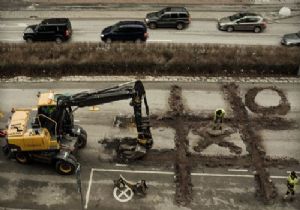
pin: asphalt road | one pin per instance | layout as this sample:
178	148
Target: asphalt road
88	30
37	186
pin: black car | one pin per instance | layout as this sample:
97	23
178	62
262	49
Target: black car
242	22
125	31
291	39
169	17
52	29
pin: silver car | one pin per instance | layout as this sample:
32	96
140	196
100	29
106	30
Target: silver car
242	22
291	39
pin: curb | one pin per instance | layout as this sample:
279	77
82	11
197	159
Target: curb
282	80
101	18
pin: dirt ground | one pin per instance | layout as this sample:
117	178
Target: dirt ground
265	189
183	122
281	109
182	166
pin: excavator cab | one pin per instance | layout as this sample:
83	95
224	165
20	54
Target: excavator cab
25	135
48	108
27	140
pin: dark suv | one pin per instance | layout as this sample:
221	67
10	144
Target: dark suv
169	17
53	29
125	31
242	22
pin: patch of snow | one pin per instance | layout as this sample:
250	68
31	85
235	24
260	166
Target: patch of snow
285	12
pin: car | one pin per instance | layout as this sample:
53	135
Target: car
291	39
242	22
52	29
169	17
135	31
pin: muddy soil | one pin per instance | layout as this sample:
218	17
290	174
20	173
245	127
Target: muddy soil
123	150
265	189
183	195
184	122
274	123
210	137
165	158
281	109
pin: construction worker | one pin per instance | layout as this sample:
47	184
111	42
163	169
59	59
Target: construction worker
292	180
218	119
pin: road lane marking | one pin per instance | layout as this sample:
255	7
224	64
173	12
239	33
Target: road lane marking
238	170
11	31
87	197
162	173
159	40
223	175
172	173
121	165
22	24
13	26
297	172
11	40
134	172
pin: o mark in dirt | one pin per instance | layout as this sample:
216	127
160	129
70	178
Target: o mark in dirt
281	109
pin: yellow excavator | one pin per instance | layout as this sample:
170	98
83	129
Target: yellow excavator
48	134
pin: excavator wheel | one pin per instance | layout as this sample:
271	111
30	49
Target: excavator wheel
5	150
65	167
81	141
82	137
82	131
22	157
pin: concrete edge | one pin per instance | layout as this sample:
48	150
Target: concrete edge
271	20
24	79
33	17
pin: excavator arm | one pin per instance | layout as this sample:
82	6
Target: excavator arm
132	90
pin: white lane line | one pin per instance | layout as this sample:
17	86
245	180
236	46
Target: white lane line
163	173
134	172
238	170
172	173
16	25
278	177
159	40
11	40
22	24
11	31
222	175
297	172
121	165
87	197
